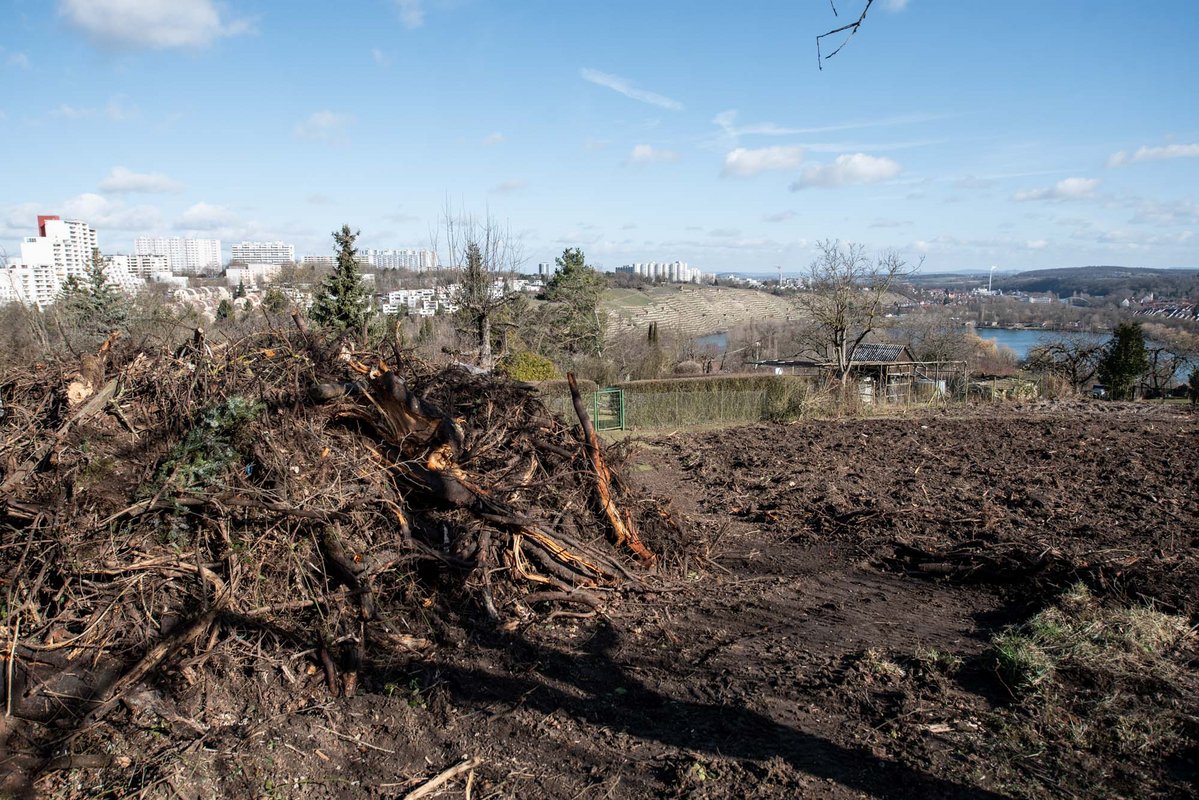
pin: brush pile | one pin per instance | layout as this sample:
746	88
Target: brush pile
335	500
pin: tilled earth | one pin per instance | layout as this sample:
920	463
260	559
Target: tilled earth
802	651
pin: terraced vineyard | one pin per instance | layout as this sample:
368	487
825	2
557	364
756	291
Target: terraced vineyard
693	310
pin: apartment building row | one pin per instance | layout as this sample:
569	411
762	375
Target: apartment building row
669	271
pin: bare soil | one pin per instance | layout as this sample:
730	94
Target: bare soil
827	636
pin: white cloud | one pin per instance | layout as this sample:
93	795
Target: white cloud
743	162
781	216
1168	213
509	186
412	12
648	154
319	199
122	180
206	217
19	60
847	170
730	131
1036	244
325	126
119	109
155	24
65	111
494	138
20	218
1146	153
380	58
619	84
973	183
104	214
895	6
1066	189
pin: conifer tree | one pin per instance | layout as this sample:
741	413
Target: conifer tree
344	301
1124	361
91	308
580	324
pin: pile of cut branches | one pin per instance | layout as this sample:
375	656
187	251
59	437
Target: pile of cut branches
336	503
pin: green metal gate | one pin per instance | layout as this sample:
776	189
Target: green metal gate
607	409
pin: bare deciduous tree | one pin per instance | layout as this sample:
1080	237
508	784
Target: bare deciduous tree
1075	358
485	255
845	295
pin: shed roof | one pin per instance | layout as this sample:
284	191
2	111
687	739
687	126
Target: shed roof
867	353
881	354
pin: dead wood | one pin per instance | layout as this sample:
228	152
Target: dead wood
621	521
442	778
298	493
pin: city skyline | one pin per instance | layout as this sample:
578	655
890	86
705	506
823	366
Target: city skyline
967	134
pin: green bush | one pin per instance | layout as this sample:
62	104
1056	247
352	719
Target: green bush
527	366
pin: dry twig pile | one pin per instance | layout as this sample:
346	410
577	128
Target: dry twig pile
336	501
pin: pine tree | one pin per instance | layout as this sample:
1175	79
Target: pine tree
580	324
344	301
91	307
1124	361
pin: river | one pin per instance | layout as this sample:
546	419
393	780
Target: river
1020	340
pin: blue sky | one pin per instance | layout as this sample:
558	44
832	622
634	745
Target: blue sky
1016	133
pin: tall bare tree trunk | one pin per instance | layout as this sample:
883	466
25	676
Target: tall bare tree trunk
485	341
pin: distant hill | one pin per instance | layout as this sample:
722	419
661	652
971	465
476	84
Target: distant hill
693	310
1104	281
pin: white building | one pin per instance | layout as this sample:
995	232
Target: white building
416	260
139	266
66	244
319	261
263	252
420	302
252	276
62	249
31	284
184	256
670	271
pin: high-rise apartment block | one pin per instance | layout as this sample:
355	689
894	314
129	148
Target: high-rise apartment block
139	266
65	249
416	260
31	284
67	244
263	252
62	249
184	256
671	271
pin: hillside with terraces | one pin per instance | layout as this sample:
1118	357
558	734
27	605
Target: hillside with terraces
692	310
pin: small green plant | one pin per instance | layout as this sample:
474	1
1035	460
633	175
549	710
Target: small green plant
210	447
1021	663
933	660
876	664
415	698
